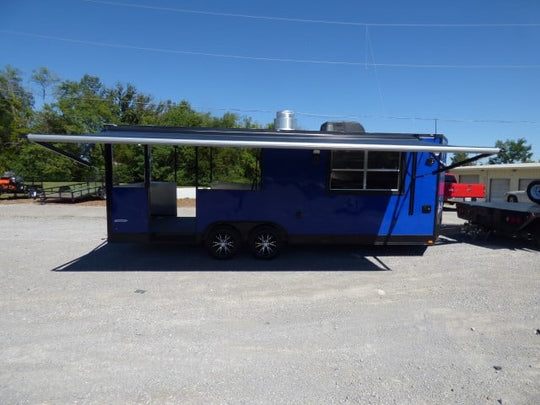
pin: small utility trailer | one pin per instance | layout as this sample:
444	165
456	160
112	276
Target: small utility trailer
519	220
337	185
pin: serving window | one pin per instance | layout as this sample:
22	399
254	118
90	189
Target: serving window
363	170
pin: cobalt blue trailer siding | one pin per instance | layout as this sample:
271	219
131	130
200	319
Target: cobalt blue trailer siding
130	210
295	195
340	184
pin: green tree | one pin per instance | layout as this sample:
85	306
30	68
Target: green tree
179	115
183	115
460	157
512	152
35	163
79	107
16	111
130	107
44	78
83	105
215	164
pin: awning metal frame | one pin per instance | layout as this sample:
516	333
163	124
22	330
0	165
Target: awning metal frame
257	138
62	152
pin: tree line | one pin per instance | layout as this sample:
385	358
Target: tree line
84	106
512	151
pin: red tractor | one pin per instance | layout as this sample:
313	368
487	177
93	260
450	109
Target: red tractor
10	183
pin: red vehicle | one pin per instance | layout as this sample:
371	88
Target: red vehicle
455	191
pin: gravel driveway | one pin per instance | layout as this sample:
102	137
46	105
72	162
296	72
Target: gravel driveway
82	321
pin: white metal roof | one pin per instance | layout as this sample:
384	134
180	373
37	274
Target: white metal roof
249	138
505	166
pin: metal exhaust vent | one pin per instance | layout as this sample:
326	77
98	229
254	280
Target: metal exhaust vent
285	121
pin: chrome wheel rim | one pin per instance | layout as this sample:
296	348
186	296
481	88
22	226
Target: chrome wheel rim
266	244
223	244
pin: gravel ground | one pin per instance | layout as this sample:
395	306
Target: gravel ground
86	322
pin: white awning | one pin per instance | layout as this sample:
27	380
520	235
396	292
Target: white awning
255	138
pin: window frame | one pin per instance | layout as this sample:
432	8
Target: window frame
366	170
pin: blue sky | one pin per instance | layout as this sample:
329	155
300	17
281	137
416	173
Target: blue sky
470	68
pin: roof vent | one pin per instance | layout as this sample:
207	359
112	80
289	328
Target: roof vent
342	126
285	121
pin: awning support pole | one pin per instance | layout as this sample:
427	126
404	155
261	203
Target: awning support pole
445	168
108	156
64	153
147	167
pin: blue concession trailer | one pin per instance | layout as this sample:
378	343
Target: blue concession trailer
337	185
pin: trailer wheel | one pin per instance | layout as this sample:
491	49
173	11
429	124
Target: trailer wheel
223	242
533	191
265	242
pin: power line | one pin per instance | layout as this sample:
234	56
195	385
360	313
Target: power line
264	58
394	117
369	51
299	113
183	52
313	21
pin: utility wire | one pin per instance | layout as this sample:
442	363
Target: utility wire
393	117
183	52
312	21
369	51
298	113
266	59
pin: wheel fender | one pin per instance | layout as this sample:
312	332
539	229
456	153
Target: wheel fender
278	228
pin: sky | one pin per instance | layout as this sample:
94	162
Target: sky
469	69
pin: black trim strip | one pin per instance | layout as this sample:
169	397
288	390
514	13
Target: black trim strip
412	187
362	239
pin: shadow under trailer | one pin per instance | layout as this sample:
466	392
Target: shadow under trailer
338	185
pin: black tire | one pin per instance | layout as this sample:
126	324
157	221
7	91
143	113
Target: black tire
101	193
533	191
265	242
223	242
512	198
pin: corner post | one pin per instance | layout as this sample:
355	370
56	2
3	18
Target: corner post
109	187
